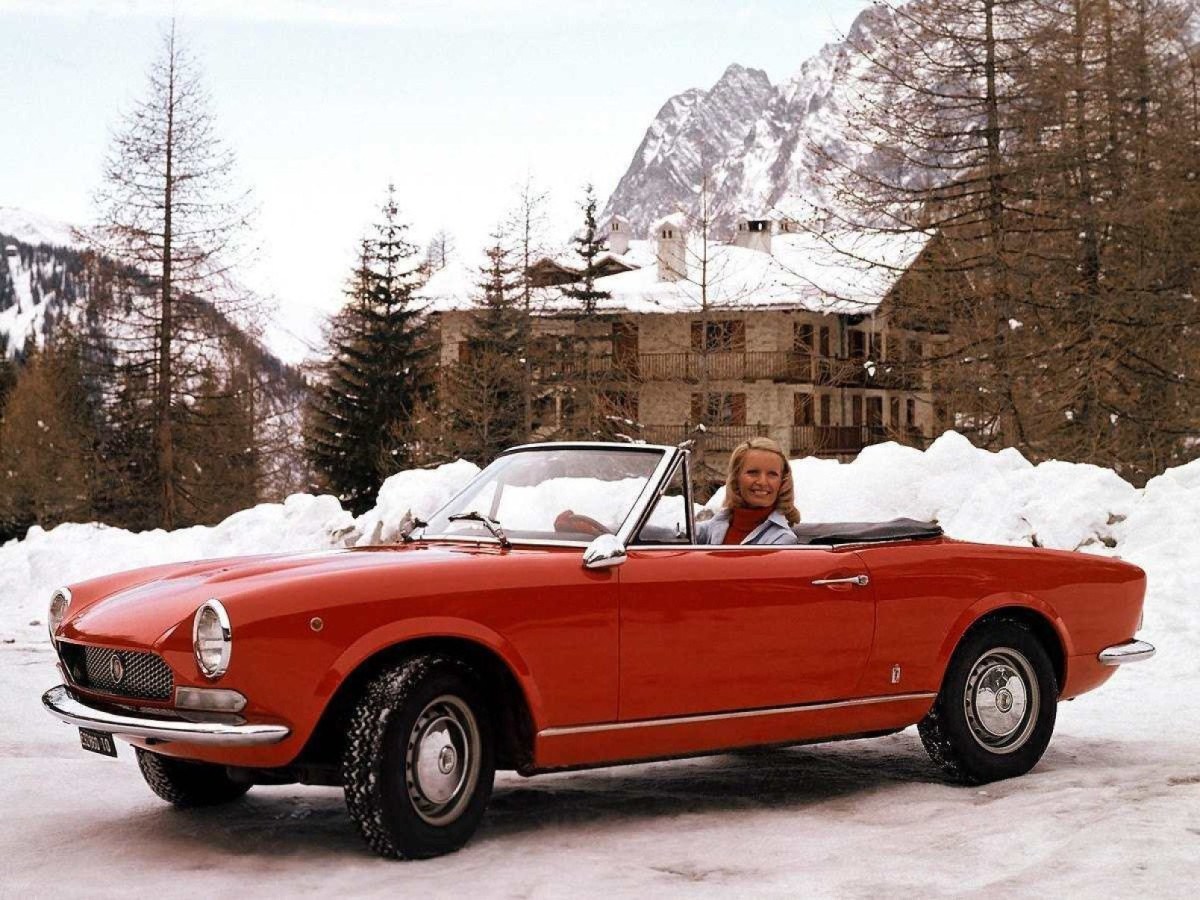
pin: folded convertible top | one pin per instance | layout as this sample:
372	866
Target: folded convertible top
860	532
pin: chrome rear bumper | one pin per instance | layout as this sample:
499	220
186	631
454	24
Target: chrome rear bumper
60	704
1127	652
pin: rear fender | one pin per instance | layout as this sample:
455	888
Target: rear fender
991	603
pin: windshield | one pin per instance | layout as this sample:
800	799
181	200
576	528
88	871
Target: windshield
551	493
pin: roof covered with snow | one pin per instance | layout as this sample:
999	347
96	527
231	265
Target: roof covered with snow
804	270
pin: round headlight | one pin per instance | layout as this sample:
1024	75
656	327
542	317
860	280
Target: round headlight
58	609
212	639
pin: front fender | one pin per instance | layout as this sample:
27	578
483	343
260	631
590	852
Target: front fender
393	634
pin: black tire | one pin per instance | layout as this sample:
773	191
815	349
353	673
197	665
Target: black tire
995	713
188	784
419	760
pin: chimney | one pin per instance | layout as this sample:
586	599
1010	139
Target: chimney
753	233
618	235
671	234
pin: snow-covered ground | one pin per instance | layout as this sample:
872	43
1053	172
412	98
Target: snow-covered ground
1113	809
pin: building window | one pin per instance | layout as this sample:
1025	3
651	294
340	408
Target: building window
719	336
856	410
875	412
894	412
823	341
719	409
911	405
858	345
826	409
625	346
802	409
802	338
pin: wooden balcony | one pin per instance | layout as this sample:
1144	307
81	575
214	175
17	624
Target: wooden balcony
716	437
847	440
749	365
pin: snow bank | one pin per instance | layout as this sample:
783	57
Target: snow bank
417	492
974	494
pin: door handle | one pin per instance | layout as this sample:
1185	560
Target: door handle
860	580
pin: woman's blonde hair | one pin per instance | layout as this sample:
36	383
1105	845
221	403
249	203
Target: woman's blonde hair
785	500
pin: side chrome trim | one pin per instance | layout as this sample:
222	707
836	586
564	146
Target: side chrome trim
1127	652
60	704
742	714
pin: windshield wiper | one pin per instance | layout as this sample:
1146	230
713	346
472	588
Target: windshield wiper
491	524
408	525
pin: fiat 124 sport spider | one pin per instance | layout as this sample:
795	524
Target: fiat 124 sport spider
557	613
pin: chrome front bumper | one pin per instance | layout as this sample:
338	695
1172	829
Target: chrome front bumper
60	704
1127	652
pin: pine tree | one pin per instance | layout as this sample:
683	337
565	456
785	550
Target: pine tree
379	370
483	397
526	224
170	216
46	442
586	387
1050	148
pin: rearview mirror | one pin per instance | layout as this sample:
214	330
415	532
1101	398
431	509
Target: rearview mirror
605	550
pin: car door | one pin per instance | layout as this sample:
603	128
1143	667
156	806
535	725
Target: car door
714	629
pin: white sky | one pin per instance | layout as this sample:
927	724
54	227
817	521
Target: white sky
325	103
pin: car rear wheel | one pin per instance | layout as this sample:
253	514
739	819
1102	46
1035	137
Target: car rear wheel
996	710
188	784
419	762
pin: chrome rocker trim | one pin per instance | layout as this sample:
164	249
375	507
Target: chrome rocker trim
60	704
1127	652
740	714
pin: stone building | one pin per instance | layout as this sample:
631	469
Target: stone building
773	333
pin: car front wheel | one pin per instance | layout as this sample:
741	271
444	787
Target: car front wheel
996	710
188	784
418	764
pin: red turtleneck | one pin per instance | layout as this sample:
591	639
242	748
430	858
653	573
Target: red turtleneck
745	519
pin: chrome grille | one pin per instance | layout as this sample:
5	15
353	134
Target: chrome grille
143	675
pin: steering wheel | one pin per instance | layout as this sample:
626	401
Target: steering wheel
567	520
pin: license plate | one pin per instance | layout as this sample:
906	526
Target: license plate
98	742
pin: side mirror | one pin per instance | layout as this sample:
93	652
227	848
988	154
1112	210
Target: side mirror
606	550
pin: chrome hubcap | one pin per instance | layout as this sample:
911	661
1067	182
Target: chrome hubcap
441	765
1002	700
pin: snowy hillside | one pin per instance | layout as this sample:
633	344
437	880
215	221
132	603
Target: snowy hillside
33	228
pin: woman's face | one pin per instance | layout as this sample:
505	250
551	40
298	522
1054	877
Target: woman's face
760	478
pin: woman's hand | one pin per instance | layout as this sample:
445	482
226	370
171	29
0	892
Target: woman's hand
569	521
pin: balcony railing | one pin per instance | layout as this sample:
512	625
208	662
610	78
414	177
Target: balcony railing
716	437
846	440
749	365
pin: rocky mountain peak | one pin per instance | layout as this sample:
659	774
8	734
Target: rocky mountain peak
747	141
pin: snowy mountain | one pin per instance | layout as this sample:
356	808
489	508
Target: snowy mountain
755	140
42	277
46	278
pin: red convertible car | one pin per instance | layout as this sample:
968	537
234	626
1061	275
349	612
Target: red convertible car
558	614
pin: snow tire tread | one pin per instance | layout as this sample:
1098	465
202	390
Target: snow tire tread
943	737
366	751
186	784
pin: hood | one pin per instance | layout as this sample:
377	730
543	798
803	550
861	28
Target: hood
142	606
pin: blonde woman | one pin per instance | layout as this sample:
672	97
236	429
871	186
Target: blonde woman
759	503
